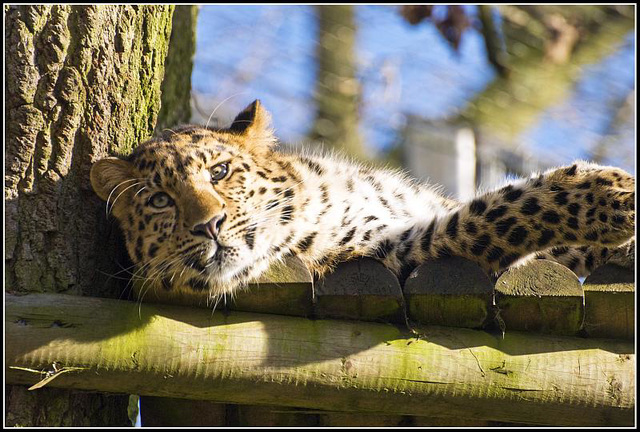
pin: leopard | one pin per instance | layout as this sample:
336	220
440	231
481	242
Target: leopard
208	209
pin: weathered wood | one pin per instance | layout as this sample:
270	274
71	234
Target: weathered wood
451	291
285	289
542	296
362	289
247	358
609	294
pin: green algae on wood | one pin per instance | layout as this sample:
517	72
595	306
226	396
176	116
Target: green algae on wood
248	358
451	291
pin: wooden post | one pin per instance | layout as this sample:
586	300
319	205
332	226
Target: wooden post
285	289
451	291
609	303
542	296
356	366
362	289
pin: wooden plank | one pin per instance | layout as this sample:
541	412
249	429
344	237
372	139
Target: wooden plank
609	302
450	291
362	289
286	288
541	296
337	365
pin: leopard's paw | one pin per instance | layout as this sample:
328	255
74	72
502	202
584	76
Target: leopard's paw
624	255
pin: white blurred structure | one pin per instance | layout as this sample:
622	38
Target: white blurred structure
441	153
453	156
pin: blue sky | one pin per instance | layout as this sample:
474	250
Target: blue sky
267	52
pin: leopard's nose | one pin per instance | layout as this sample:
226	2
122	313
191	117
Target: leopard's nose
210	229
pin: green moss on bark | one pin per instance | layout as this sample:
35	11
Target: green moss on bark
82	82
176	85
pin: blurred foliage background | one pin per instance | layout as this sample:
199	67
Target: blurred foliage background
464	95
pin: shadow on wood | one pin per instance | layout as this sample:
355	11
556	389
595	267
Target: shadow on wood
362	289
320	364
450	291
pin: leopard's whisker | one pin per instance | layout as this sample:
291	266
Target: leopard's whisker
219	105
120	194
137	193
114	189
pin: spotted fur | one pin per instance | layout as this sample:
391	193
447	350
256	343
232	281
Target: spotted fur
214	234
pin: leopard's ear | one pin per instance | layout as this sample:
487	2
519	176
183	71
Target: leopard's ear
107	174
254	124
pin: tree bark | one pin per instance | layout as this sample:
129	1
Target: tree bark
337	88
176	86
82	82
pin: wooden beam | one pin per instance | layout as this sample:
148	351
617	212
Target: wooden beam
249	358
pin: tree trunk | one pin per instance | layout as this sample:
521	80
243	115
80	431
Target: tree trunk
82	82
337	89
176	86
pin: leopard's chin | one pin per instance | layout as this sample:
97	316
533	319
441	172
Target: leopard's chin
222	273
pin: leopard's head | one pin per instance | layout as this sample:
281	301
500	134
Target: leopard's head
197	206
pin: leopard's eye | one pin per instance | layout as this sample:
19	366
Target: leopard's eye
160	200
219	171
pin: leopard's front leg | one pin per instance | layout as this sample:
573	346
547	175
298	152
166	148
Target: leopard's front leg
581	205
